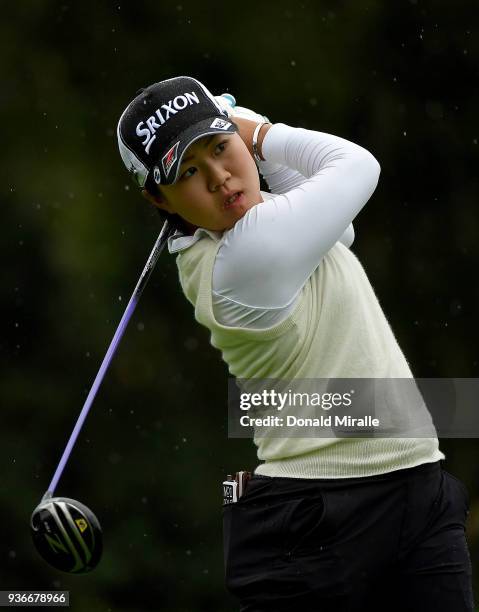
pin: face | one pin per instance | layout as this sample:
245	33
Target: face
217	183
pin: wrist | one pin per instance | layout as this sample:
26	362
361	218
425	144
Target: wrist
257	141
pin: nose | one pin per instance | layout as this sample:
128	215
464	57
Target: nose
217	175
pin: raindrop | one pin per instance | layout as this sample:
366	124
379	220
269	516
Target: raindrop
455	307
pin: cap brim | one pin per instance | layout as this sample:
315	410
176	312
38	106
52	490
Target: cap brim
199	130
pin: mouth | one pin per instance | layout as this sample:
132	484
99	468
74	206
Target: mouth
234	199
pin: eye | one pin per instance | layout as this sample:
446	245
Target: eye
221	146
189	172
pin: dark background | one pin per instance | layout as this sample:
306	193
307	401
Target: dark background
400	78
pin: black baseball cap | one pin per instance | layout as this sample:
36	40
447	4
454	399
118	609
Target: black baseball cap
162	121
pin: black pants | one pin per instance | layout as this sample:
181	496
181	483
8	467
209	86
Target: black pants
381	543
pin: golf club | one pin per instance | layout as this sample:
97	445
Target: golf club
65	532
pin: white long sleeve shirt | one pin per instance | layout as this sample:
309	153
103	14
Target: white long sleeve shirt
285	236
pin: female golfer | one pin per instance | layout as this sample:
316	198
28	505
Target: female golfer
326	524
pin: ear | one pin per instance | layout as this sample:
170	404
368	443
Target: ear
159	201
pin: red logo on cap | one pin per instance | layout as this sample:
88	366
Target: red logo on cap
169	158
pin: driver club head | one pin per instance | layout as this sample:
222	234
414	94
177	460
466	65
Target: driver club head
67	535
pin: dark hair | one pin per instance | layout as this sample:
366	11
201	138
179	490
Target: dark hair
175	220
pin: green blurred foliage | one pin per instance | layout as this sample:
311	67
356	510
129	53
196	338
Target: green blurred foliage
399	78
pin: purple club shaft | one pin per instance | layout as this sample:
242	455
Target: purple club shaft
145	275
